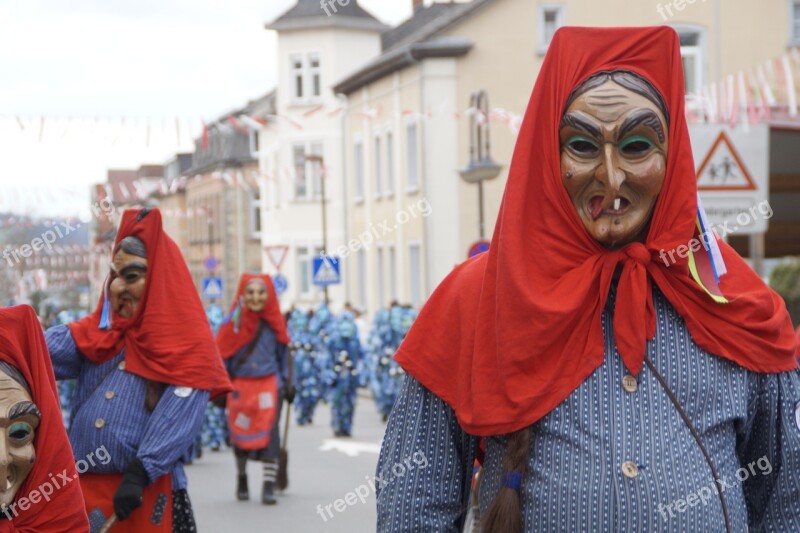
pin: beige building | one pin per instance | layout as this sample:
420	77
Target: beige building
317	45
408	114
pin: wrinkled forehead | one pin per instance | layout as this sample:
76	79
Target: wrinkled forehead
256	285
610	102
11	391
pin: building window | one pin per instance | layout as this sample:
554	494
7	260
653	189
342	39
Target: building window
307	174
362	278
303	271
314	74
392	273
377	162
254	143
381	281
358	168
414	274
389	162
692	44
255	215
297	77
299	158
412	156
551	17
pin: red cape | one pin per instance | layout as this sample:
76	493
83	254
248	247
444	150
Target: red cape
168	339
22	345
239	330
509	334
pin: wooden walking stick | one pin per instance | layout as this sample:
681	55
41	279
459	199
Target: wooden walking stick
109	524
283	462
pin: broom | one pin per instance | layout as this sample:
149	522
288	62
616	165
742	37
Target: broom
283	461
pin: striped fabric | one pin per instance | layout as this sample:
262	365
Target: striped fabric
108	411
614	457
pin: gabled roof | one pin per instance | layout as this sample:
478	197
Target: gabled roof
415	39
311	14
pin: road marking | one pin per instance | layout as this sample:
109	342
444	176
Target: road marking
350	448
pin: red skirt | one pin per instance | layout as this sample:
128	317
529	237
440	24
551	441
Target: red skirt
155	514
252	408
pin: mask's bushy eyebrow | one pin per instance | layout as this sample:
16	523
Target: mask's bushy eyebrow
24	408
644	117
574	120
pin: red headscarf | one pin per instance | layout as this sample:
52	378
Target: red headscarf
512	332
22	346
168	339
239	330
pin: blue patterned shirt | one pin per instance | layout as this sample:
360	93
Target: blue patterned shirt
269	356
615	456
108	410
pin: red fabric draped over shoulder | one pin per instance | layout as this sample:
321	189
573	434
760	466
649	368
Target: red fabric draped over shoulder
236	333
512	332
168	339
22	345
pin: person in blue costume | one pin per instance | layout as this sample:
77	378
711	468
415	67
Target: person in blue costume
379	356
307	371
342	373
215	426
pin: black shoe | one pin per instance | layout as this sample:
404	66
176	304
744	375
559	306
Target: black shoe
242	492
268	493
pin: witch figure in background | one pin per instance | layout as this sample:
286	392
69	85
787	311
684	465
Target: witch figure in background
254	343
146	364
342	373
35	447
308	382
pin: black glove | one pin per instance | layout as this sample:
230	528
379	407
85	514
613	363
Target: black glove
128	497
290	393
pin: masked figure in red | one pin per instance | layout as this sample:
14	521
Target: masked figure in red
146	364
41	494
253	343
626	373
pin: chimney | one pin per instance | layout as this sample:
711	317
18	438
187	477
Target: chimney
417	4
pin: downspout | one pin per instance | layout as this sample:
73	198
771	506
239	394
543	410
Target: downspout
345	211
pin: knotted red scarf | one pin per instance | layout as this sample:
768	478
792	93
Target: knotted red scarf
511	333
22	345
168	339
239	330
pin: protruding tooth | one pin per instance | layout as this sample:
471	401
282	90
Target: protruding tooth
8	484
616	204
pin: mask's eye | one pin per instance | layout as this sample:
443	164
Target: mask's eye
636	145
19	431
582	145
132	276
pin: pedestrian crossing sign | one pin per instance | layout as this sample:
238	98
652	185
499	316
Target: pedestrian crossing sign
212	288
325	271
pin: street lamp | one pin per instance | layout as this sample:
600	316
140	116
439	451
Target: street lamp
481	166
314	158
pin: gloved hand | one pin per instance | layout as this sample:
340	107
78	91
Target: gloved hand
290	393
128	497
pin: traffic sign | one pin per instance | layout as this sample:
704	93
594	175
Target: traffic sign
733	175
212	288
478	247
326	271
276	254
281	283
210	263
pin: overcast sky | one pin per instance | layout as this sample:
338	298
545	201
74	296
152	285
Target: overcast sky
111	76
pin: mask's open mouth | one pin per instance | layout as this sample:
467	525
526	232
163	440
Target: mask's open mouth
598	206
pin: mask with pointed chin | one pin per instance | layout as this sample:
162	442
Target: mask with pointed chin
19	418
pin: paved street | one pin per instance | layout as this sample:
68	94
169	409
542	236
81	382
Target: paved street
321	470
